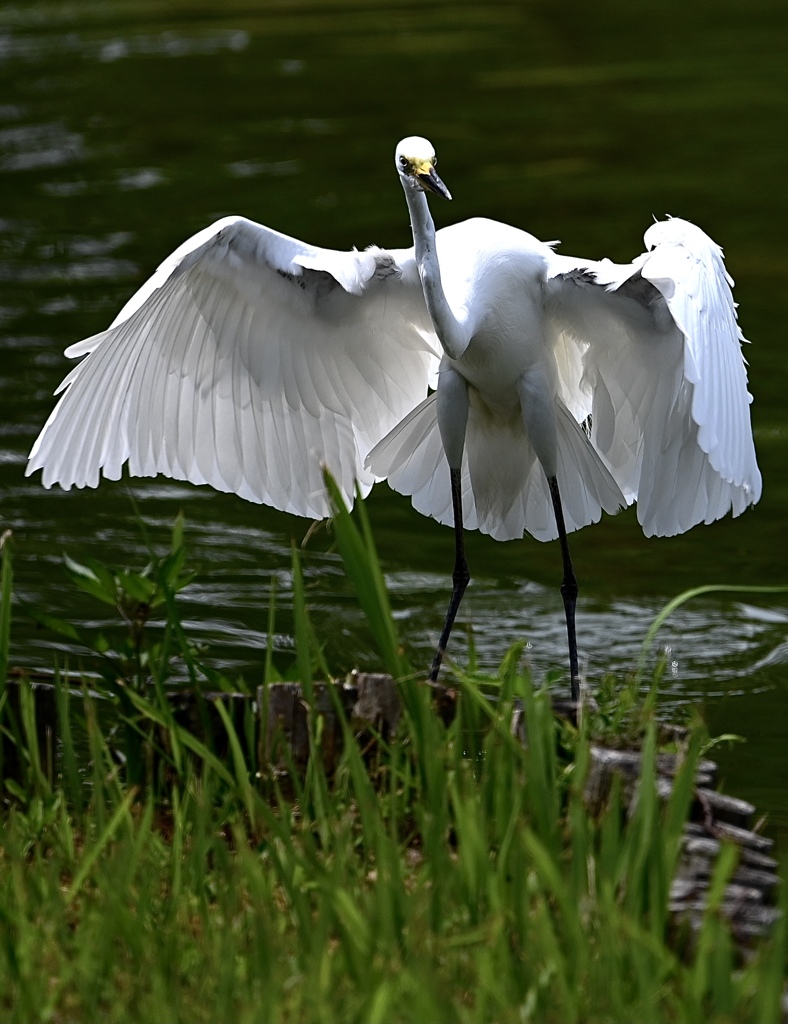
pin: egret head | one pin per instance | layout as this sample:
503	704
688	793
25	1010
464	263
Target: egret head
415	161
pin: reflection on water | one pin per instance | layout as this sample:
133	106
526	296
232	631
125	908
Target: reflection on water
124	128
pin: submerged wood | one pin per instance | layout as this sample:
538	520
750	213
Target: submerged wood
280	714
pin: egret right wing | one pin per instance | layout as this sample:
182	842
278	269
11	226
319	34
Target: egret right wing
248	361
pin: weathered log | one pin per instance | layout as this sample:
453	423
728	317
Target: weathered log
606	764
286	716
715	818
377	704
741	836
728	809
367	700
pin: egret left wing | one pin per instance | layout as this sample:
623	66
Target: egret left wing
651	352
686	267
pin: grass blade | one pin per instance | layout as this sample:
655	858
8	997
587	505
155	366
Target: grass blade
6	583
301	629
362	566
239	763
68	751
98	847
181	735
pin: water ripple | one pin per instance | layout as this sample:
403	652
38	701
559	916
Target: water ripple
33	146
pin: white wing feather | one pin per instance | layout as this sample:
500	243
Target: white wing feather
248	361
661	375
687	268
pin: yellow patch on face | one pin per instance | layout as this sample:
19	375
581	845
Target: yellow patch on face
421	166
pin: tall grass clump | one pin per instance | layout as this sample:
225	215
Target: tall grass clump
448	873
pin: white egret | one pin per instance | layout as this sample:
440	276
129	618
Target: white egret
565	387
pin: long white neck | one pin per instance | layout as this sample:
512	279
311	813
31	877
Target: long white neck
451	334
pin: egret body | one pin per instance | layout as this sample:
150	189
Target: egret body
565	387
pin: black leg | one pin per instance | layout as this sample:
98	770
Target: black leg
460	577
568	588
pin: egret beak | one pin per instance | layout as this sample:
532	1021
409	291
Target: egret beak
430	182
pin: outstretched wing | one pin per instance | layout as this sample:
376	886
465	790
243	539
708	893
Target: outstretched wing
651	351
248	361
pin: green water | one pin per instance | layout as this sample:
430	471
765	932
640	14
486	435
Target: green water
125	127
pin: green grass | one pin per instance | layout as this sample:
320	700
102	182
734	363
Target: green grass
449	875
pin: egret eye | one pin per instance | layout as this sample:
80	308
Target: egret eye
403	162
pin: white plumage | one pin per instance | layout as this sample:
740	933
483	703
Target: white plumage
250	360
245	362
